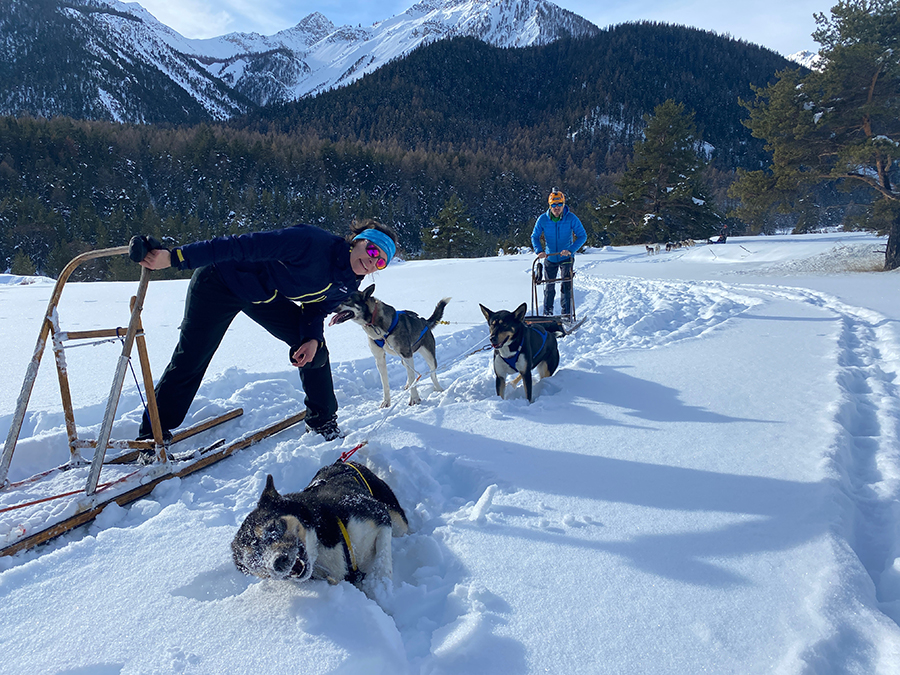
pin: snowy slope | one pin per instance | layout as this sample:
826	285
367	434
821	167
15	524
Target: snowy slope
709	483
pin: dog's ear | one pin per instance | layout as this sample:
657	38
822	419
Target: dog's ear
367	293
520	311
269	493
487	313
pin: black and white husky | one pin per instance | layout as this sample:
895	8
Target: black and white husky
519	347
338	528
403	333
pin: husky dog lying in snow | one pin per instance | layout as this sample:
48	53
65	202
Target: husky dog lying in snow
519	348
338	528
403	333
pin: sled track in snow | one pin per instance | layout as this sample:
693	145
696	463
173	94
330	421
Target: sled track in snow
866	450
865	456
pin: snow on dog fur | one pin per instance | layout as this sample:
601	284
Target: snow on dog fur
338	528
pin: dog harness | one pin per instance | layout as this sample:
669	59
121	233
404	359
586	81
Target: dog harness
511	360
393	325
355	575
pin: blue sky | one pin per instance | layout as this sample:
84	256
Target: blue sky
783	26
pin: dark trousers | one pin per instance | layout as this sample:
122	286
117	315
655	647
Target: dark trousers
550	270
209	310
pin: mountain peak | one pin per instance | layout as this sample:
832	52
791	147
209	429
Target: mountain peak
316	22
805	58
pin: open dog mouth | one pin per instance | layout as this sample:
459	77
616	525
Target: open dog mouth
287	565
299	568
341	317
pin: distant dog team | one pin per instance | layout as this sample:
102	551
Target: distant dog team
519	347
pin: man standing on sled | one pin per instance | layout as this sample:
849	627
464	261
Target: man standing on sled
563	236
287	281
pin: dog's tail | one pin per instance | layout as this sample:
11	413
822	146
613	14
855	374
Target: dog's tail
436	315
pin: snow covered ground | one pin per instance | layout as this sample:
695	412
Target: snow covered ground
709	484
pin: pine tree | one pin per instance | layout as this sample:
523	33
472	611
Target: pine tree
22	265
840	123
662	193
452	234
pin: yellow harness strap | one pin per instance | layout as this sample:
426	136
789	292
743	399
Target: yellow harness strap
348	544
362	478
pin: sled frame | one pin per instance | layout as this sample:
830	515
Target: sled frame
538	280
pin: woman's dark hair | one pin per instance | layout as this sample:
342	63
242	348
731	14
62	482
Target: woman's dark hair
358	226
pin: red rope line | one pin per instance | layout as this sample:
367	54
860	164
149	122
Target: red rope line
347	455
32	479
100	488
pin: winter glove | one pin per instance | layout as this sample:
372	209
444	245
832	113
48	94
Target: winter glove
141	245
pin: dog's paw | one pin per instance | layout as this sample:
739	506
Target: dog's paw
414	399
386	403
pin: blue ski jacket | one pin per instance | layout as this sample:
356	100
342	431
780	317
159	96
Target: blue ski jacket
565	234
304	264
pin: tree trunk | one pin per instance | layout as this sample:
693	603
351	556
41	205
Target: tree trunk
892	252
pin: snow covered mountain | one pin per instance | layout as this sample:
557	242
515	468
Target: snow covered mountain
128	66
805	58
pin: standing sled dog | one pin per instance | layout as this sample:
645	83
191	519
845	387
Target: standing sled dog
339	528
403	333
519	348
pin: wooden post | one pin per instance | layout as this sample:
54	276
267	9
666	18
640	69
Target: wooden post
144	357
115	389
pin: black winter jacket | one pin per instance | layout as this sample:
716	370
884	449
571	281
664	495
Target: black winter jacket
303	263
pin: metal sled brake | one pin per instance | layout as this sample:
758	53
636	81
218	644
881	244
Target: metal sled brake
20	522
567	322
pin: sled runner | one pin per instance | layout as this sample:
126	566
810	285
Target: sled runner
24	517
567	322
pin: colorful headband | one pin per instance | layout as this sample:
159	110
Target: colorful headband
381	240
